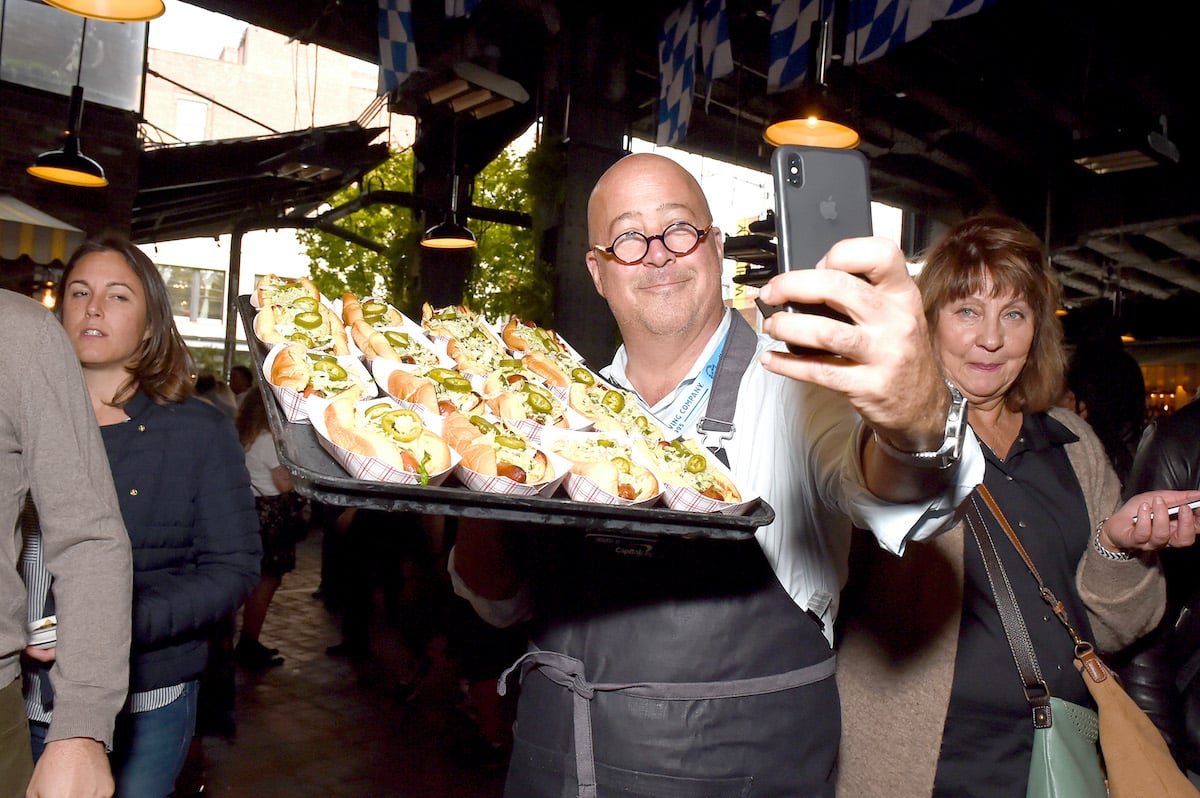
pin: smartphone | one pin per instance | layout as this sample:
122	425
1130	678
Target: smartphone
822	196
1173	512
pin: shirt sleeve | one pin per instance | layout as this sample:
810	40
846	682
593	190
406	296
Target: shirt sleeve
500	613
84	542
894	525
225	545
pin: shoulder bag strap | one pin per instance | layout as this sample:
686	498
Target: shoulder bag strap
1036	691
1047	594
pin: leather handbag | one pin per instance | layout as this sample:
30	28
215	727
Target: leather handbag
1137	762
1065	762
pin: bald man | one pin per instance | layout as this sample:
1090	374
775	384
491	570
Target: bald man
707	669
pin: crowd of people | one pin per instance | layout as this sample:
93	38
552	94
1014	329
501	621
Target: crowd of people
850	647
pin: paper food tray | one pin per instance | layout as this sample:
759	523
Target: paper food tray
364	467
295	404
584	489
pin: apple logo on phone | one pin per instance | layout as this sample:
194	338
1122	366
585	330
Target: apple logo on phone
829	209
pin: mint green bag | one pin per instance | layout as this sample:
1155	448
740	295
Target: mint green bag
1066	760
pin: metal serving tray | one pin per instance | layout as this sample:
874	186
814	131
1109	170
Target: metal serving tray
318	476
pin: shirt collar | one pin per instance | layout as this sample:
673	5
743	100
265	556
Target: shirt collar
615	372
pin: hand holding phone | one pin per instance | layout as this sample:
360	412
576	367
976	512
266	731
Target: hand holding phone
1173	512
822	196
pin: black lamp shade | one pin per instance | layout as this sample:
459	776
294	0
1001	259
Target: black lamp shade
69	165
448	235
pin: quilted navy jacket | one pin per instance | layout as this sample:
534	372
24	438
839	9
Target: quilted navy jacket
185	497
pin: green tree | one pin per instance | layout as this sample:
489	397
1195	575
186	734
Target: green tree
506	277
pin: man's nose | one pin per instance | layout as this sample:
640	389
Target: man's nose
657	254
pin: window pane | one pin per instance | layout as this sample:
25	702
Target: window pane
212	294
179	288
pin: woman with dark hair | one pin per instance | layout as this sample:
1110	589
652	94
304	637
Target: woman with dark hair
932	700
185	498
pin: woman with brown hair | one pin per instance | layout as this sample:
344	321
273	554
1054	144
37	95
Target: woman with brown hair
932	700
185	499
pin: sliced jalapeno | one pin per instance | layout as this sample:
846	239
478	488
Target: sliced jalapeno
377	410
482	424
510	441
538	403
614	401
304	303
397	339
642	423
605	442
510	363
301	338
440	374
373	308
456	383
622	464
309	320
402	424
333	370
582	376
696	464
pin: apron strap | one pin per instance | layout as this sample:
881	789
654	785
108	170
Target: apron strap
741	342
568	672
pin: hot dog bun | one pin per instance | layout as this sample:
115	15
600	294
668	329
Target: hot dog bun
636	484
275	290
676	465
352	311
275	324
351	430
481	452
547	368
291	368
412	388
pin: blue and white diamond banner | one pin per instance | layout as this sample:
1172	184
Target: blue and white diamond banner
397	50
715	50
791	32
676	72
460	8
879	26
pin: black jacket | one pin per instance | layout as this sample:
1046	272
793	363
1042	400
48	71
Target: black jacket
185	496
1161	673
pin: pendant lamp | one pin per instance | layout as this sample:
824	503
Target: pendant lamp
69	166
113	10
817	125
449	234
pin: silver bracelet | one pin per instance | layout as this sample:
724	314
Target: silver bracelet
1105	553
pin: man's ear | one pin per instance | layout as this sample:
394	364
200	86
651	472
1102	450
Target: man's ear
593	265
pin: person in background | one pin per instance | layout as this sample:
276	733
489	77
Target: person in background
1162	674
185	499
50	448
216	393
932	700
1109	391
241	380
718	652
280	525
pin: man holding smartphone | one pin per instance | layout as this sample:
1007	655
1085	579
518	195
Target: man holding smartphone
707	669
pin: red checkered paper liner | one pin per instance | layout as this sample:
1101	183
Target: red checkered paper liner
497	484
585	489
361	466
295	404
678	497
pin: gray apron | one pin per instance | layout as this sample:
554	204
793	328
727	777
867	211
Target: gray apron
679	672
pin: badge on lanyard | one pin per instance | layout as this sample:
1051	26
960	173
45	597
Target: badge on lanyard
684	411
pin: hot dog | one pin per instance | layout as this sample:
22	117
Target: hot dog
395	435
474	348
440	390
525	336
614	410
496	450
396	345
608	463
375	312
275	290
688	464
316	327
310	373
514	392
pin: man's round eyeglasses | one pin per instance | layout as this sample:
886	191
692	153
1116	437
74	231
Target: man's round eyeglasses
680	238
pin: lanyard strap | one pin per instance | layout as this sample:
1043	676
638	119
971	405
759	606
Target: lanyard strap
741	343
